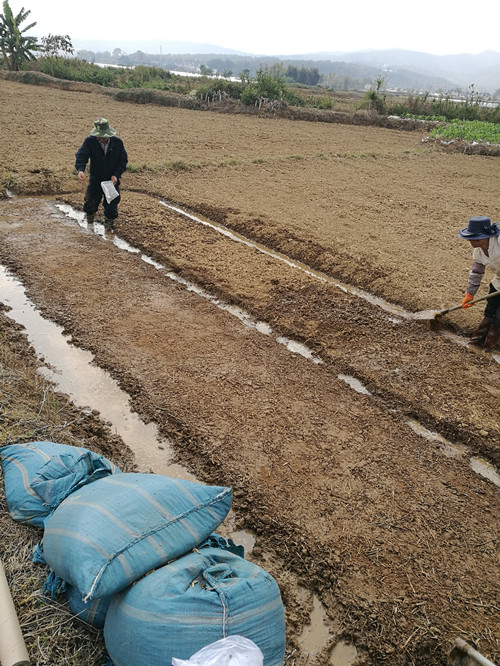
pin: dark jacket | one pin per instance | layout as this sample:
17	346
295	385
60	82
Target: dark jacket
102	167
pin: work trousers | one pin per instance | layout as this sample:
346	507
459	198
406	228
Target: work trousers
492	309
93	197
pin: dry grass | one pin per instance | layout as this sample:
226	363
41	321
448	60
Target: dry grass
51	632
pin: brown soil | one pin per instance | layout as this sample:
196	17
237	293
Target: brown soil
399	541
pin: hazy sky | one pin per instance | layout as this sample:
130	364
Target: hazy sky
273	27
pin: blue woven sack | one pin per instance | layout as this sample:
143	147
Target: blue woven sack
92	612
108	534
192	602
39	475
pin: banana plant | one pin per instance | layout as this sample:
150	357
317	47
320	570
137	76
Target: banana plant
16	47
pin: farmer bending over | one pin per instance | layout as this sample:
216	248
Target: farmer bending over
483	236
108	160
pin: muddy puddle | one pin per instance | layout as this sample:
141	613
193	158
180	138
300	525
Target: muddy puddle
319	632
73	371
354	383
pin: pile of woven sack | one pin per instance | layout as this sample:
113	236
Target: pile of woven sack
137	555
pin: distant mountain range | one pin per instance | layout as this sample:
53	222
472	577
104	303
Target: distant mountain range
482	70
410	70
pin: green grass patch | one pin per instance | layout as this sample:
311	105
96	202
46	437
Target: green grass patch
137	168
7	179
180	165
171	165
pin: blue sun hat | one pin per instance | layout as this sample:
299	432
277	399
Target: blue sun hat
479	227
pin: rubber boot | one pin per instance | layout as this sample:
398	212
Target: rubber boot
108	224
491	339
479	336
90	218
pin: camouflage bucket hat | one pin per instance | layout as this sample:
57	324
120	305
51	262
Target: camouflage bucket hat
101	128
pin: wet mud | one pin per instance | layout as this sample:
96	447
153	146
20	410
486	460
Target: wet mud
347	501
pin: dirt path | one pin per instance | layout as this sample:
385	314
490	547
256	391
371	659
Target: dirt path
398	539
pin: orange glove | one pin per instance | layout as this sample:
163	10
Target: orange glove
466	303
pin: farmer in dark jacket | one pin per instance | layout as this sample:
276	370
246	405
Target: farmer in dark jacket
108	160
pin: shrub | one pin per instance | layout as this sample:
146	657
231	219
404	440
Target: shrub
219	90
374	100
325	102
267	89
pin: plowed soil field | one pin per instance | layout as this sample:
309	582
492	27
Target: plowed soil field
393	531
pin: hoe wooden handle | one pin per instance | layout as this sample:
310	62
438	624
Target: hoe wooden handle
476	300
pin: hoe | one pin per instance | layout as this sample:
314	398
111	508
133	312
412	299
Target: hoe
435	315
